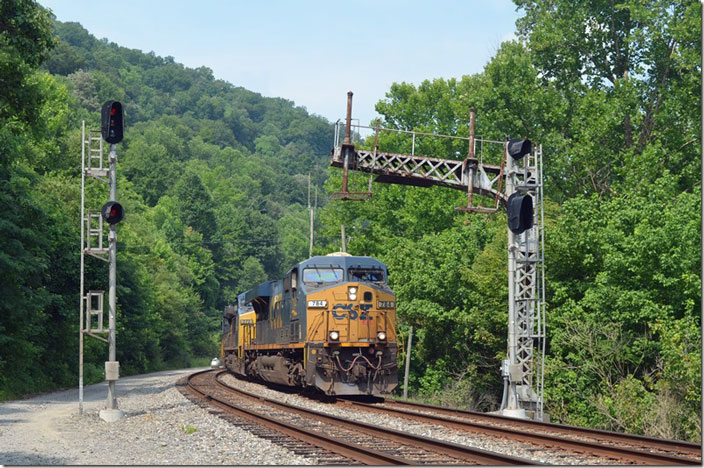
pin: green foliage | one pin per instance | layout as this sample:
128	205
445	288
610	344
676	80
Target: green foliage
625	309
23	263
632	66
188	429
209	175
25	41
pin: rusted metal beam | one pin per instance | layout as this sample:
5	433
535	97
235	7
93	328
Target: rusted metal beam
421	171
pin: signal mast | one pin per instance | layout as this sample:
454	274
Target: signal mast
516	185
92	243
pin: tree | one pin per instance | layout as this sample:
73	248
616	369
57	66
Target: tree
639	55
254	274
25	41
195	204
203	212
618	265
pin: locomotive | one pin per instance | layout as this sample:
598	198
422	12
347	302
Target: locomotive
329	324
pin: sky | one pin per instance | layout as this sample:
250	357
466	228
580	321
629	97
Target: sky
308	51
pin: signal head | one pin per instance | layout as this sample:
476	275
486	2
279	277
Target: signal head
112	212
520	212
518	147
112	122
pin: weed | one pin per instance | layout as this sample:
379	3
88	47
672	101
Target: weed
188	429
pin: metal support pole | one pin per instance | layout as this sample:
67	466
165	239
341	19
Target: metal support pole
312	215
344	239
408	363
112	413
512	403
470	158
348	124
80	323
112	397
472	117
347	143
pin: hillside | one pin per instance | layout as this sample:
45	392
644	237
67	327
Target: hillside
214	179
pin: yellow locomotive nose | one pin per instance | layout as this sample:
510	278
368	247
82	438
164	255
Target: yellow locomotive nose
351	314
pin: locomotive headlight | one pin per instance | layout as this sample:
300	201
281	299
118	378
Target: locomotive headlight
352	293
317	303
334	335
381	336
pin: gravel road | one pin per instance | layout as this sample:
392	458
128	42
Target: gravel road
160	427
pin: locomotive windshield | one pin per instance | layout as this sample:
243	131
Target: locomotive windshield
317	275
243	307
369	275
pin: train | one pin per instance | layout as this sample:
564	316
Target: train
329	324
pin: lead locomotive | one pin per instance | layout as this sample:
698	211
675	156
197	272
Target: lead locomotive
330	323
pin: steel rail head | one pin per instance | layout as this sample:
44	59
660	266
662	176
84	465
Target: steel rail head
528	435
352	451
449	448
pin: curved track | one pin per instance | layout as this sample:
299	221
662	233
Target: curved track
616	446
331	439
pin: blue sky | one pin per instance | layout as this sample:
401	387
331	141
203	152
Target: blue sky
310	52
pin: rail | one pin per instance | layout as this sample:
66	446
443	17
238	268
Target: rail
436	451
554	434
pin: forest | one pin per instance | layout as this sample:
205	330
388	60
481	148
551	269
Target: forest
214	181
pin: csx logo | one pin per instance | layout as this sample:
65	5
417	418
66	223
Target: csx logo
341	311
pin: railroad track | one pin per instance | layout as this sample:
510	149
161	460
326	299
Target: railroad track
619	447
326	438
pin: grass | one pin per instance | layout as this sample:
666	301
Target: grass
188	429
200	361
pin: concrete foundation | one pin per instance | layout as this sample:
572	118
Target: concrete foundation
515	413
111	415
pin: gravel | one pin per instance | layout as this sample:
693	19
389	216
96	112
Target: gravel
160	427
493	444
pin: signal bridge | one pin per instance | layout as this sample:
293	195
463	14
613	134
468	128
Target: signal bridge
516	184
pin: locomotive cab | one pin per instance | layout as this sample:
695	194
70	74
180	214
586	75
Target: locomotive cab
351	325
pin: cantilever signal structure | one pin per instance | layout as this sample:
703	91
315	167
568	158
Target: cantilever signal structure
519	174
470	175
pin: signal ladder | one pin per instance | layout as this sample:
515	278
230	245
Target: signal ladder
93	165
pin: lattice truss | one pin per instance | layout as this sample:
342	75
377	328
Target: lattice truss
422	171
529	297
525	288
